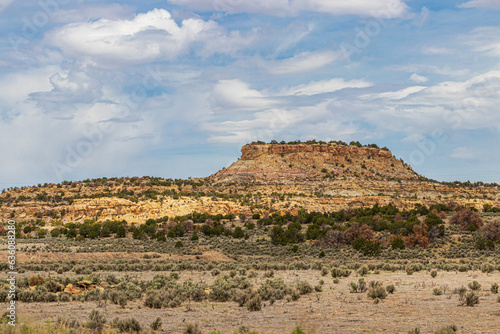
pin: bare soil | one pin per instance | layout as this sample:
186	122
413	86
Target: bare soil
335	310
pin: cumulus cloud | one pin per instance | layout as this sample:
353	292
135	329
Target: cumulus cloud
147	37
490	4
366	8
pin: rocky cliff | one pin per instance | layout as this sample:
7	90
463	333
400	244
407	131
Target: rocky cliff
295	164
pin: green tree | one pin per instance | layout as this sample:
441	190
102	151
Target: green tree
120	232
238	233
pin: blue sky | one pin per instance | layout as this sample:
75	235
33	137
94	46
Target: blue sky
174	88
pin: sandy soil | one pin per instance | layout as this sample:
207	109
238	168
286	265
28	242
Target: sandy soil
335	310
23	257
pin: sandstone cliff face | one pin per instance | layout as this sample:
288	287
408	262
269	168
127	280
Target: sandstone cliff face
264	163
251	152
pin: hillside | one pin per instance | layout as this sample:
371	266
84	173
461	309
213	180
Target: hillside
267	178
302	163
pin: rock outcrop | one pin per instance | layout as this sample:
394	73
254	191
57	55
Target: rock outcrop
296	164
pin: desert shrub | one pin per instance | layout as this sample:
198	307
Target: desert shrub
25	296
447	330
268	274
4	296
276	289
297	330
363	271
35	280
494	288
359	287
491	231
53	286
122	300
128	325
254	303
294	295
112	280
222	289
437	291
474	285
468	298
467	219
378	292
390	288
51	297
64	298
304	287
480	243
487	268
156	325
93	295
96	321
339	273
191	329
434	273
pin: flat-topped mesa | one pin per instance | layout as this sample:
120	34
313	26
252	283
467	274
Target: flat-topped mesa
299	163
251	151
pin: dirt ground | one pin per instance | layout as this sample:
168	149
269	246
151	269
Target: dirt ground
335	310
109	256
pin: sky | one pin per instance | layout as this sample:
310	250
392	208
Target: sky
174	88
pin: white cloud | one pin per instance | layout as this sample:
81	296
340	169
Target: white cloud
94	12
418	78
17	87
397	95
303	62
149	36
366	8
325	86
491	4
485	39
231	95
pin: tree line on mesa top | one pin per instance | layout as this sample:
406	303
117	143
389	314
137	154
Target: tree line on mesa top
318	142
